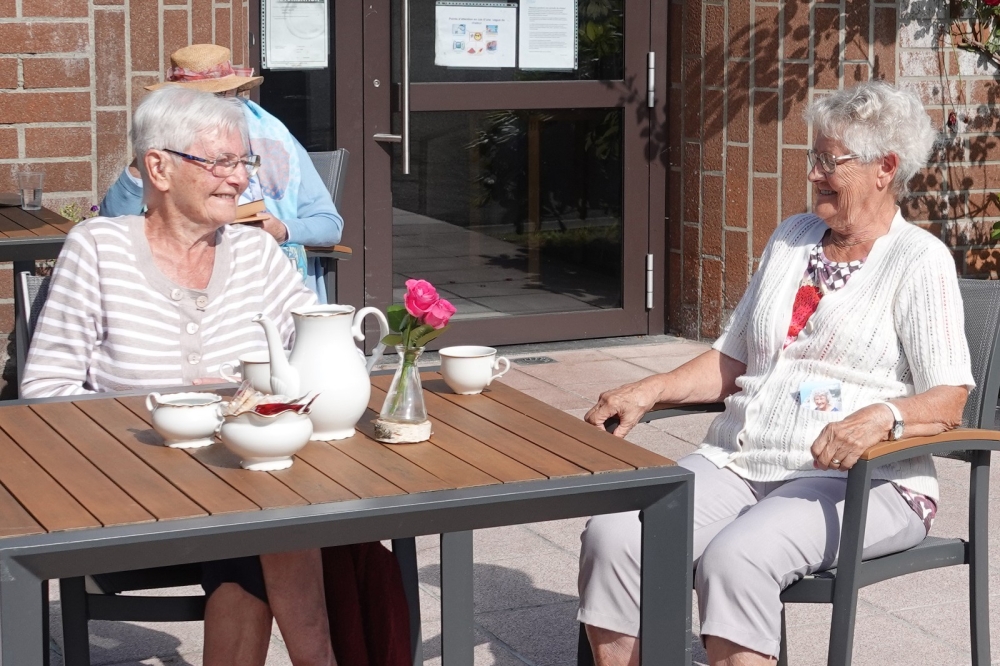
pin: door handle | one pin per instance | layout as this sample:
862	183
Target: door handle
403	137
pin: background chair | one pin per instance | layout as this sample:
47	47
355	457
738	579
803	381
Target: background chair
33	290
972	443
332	168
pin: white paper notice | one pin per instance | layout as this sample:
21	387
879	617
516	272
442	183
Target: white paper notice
548	36
294	34
471	34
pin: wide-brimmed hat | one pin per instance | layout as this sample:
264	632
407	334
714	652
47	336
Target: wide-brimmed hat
207	67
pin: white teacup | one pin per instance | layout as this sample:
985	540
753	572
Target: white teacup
255	366
185	420
469	369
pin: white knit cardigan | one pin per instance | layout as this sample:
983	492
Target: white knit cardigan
895	329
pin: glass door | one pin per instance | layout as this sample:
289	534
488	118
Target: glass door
522	194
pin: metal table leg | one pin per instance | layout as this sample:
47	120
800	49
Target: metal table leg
457	610
665	606
22	638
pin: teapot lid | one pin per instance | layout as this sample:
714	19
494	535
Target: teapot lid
323	311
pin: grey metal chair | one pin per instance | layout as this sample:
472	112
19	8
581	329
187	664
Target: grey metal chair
32	291
332	168
972	443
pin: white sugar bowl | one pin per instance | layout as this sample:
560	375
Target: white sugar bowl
185	420
266	443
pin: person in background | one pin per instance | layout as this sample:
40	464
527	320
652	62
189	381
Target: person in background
299	209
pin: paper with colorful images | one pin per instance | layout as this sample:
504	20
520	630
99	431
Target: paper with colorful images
471	34
822	396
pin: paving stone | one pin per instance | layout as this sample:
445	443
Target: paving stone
659	441
563	534
611	372
670	347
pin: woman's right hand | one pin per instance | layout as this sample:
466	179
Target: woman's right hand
628	403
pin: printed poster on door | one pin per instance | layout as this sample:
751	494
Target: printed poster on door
294	34
475	34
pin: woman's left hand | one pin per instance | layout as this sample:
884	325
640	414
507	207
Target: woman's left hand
845	441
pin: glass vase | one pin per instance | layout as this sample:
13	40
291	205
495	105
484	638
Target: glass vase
404	403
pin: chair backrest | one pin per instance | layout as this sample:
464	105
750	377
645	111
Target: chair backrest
981	299
34	291
332	168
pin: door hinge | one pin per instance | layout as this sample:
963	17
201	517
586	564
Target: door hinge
649	282
651	79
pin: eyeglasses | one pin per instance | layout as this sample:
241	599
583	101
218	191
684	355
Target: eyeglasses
225	164
828	161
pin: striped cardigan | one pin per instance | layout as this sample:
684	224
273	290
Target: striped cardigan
113	321
895	329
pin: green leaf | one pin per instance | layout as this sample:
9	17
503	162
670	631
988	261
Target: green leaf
392	340
424	340
395	314
418	333
591	31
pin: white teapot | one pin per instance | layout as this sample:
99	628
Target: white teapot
325	359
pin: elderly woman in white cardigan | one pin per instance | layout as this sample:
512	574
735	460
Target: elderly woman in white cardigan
851	299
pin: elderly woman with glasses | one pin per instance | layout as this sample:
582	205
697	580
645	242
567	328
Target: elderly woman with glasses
164	298
850	298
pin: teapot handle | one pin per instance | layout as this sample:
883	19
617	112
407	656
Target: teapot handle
152	400
359	334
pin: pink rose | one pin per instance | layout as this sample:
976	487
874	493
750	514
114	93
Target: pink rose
439	314
420	296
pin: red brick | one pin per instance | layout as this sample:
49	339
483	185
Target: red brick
966	232
175	33
796	90
715	36
884	48
737	268
144	35
31	37
201	22
139	91
930	207
711	219
855	73
109	2
796	29
794	185
737	175
765	212
240	32
982	260
223	28
54	8
109	57
56	72
714	121
8	145
856	31
691	25
8	8
8	73
7	321
691	184
691	270
765	132
692	98
112	147
985	92
827	48
59	176
175	2
44	107
766	46
738	94
739	28
984	204
57	141
711	298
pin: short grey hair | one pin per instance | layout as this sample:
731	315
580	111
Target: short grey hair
874	119
175	117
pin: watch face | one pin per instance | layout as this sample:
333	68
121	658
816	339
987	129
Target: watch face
897	430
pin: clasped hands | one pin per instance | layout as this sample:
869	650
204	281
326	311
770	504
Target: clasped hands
842	441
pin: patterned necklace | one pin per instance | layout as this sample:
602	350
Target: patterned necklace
828	275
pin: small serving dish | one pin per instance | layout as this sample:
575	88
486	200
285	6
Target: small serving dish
266	443
185	420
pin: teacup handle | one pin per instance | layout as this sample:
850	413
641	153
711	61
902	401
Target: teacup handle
152	400
496	365
359	334
228	372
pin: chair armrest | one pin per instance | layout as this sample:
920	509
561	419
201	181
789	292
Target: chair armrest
964	438
341	252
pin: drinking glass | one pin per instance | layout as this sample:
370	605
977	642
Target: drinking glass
30	184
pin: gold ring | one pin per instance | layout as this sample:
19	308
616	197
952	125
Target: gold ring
835	462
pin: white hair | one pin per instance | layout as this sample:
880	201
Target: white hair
174	117
874	119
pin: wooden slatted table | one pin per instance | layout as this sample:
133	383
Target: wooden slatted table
86	487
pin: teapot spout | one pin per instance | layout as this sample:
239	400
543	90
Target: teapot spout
284	378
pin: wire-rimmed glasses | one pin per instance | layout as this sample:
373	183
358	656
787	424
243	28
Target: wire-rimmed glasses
828	161
224	164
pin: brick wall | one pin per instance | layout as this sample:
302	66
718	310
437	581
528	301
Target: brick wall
72	71
743	73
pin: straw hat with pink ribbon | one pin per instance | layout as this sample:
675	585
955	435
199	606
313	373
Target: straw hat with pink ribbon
207	67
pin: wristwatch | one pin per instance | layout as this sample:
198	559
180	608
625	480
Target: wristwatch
896	432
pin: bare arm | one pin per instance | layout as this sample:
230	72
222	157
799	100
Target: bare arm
934	411
710	377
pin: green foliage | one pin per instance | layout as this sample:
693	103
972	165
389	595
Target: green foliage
977	24
396	315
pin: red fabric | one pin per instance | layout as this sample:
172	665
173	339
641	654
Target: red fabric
806	302
369	619
223	69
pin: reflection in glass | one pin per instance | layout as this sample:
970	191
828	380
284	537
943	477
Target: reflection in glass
600	57
512	212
